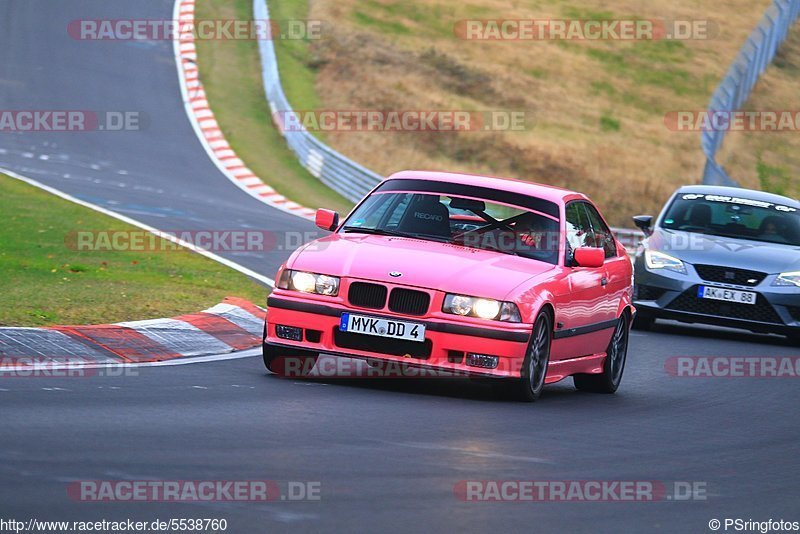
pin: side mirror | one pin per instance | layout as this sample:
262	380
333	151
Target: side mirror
590	257
327	220
644	223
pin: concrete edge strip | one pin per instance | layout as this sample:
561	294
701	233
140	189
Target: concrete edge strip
190	335
206	127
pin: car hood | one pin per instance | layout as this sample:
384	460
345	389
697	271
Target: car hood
425	264
727	252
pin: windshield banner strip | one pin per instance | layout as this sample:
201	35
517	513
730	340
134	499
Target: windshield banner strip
445	188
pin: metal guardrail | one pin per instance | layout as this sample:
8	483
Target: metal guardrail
333	169
630	239
758	52
338	172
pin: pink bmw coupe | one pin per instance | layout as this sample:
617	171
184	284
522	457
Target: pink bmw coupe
503	279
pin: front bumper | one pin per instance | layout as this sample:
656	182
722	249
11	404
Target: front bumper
670	295
445	348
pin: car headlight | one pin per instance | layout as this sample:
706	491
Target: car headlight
656	260
482	308
788	279
320	284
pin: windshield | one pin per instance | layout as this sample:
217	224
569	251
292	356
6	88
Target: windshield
735	217
459	220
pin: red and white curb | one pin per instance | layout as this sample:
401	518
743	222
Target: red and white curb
233	325
207	128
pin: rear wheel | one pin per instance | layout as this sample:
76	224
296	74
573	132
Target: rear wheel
292	363
529	386
616	355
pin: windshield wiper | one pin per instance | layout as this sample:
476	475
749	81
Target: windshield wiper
394	233
375	231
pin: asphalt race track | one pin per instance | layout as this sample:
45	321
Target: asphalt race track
387	453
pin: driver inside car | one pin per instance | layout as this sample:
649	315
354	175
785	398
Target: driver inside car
537	234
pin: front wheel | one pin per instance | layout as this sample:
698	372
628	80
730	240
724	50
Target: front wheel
616	355
529	386
291	363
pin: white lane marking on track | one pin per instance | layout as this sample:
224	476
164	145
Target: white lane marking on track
191	246
469	452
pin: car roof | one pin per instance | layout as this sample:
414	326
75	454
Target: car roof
751	194
521	187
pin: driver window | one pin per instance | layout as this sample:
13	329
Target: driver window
579	229
603	236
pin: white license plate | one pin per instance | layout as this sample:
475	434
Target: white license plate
375	326
727	295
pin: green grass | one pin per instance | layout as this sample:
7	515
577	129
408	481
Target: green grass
651	63
603	88
46	282
774	179
296	63
388	16
579	13
609	124
537	73
385	26
231	74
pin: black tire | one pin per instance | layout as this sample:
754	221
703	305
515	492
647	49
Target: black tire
616	355
528	388
643	322
291	363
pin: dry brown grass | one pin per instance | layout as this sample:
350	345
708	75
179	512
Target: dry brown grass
599	106
770	160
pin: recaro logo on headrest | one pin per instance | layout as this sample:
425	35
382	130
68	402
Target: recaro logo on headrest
428	216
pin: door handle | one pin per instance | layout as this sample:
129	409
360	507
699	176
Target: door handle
604	281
